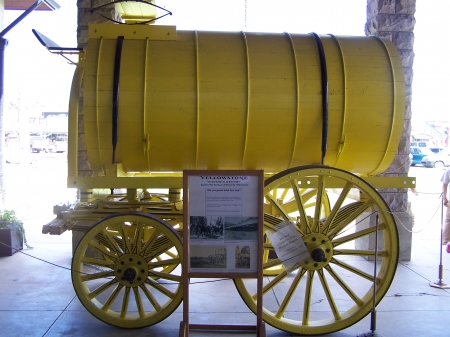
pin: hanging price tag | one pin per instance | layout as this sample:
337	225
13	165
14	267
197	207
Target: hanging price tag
288	245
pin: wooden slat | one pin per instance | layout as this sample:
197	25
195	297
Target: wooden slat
54	227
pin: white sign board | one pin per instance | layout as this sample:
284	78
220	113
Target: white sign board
223	223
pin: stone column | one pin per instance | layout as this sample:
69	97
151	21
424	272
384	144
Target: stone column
394	19
85	17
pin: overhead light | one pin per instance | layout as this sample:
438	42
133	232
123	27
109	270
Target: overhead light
51	4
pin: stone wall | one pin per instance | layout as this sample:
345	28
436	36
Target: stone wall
394	19
85	17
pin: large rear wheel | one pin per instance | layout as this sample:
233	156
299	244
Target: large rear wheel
332	289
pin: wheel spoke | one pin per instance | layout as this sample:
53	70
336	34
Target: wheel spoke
304	225
354	236
165	276
125	301
278	207
97	262
110	242
161	246
354	270
150	297
272	283
336	230
287	298
308	294
329	295
318	208
96	276
137	298
360	252
337	206
168	262
110	256
138	240
271	263
112	298
101	289
149	244
344	286
160	288
125	239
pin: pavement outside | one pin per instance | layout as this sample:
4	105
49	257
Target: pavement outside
37	297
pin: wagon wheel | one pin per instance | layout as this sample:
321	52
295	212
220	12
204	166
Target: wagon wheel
122	270
337	290
286	198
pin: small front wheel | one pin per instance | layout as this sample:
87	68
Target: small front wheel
122	270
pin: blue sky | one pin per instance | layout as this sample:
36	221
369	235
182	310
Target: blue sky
42	80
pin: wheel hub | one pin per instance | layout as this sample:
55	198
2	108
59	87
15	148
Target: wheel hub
131	270
320	250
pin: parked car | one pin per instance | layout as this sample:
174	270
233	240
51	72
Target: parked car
60	144
436	149
38	144
437	160
12	151
418	153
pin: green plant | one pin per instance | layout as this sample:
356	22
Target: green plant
9	220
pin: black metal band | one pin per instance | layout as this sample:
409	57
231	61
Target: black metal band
115	97
324	77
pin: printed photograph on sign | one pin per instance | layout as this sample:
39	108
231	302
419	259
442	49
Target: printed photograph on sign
241	228
208	257
206	227
242	257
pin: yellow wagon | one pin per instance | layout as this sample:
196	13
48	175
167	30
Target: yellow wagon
321	115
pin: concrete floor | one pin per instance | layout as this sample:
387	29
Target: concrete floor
38	299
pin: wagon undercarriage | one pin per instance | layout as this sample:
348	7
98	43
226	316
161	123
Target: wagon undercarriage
126	267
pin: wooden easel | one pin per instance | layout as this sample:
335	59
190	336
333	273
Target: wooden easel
188	196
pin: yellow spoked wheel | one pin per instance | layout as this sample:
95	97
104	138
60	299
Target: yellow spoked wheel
286	199
333	287
123	270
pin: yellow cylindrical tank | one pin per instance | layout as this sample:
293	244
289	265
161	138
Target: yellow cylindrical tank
157	99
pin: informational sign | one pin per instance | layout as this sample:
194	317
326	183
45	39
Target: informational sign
223	234
223	223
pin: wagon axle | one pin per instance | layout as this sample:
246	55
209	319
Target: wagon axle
131	270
